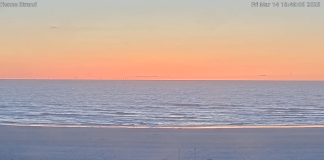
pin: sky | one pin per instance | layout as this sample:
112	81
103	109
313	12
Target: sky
161	39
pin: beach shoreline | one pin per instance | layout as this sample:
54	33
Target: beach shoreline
72	143
171	127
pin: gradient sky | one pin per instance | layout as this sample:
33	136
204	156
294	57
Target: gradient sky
161	39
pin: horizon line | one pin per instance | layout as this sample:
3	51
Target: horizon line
156	79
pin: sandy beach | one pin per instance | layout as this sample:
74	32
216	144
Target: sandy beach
73	143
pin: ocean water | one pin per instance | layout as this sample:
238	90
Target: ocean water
161	103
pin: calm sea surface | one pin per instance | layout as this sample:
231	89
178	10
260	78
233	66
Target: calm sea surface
161	103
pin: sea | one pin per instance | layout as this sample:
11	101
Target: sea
128	103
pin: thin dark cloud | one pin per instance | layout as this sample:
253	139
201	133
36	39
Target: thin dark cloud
61	27
146	76
90	27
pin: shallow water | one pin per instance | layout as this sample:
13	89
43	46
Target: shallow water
161	103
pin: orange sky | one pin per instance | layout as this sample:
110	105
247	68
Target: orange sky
172	40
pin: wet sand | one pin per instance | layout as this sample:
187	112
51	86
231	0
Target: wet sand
74	143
